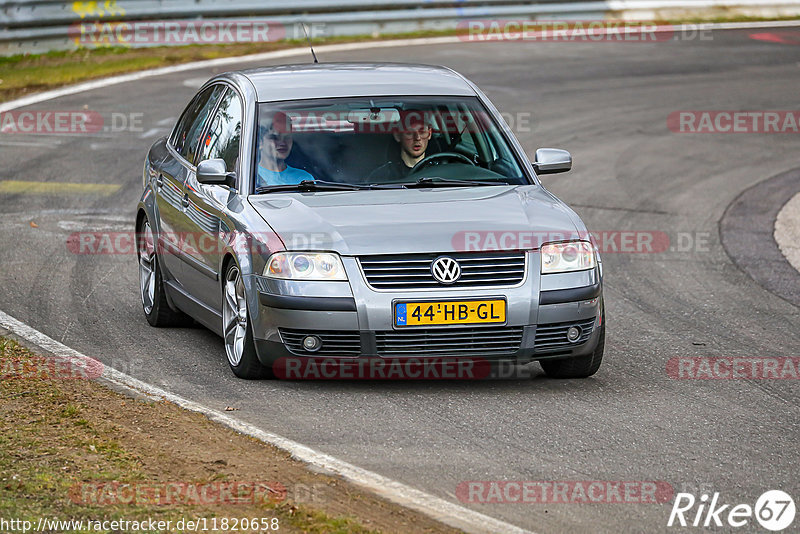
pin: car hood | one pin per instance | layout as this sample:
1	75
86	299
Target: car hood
419	220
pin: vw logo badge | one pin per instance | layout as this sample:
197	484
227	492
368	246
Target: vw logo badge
446	270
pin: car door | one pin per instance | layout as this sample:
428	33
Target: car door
206	203
171	177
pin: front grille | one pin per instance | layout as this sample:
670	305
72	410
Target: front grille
450	341
554	335
334	342
413	271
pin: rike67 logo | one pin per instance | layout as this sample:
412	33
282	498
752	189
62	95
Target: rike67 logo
774	510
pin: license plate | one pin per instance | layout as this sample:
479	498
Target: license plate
450	312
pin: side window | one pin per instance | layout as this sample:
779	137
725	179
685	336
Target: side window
187	132
223	135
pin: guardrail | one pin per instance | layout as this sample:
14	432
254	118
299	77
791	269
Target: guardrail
33	26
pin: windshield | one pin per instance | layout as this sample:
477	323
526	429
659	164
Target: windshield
381	142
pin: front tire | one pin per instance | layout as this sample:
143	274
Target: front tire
578	366
237	329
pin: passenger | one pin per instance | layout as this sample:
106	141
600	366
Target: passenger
412	136
275	146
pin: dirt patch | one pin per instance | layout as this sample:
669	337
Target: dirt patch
74	449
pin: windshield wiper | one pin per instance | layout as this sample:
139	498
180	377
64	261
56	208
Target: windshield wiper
437	181
307	186
310	185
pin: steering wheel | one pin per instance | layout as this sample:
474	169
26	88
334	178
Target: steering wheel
424	162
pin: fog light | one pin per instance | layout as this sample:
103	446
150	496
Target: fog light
572	334
312	343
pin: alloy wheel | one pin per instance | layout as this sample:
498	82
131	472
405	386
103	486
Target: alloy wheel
234	316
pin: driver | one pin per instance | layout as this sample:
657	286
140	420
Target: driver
412	136
276	142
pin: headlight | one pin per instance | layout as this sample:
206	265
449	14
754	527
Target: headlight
305	266
565	257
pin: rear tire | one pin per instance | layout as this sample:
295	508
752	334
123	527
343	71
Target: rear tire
238	330
578	366
151	284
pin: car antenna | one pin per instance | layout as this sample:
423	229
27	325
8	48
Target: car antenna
309	43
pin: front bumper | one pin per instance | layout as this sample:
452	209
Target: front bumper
355	321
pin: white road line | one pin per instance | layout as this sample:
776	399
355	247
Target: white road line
787	231
750	25
290	52
219	62
440	509
85	212
623	5
26	143
448	513
150	133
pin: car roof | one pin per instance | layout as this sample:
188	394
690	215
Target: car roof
330	80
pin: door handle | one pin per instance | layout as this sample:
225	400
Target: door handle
185	201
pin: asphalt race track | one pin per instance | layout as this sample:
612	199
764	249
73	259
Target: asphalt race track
608	104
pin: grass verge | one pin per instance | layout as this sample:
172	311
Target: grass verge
24	74
72	449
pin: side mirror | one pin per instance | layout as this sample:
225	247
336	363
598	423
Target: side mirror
212	171
551	161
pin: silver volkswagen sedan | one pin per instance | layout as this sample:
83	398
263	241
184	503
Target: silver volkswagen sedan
357	212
